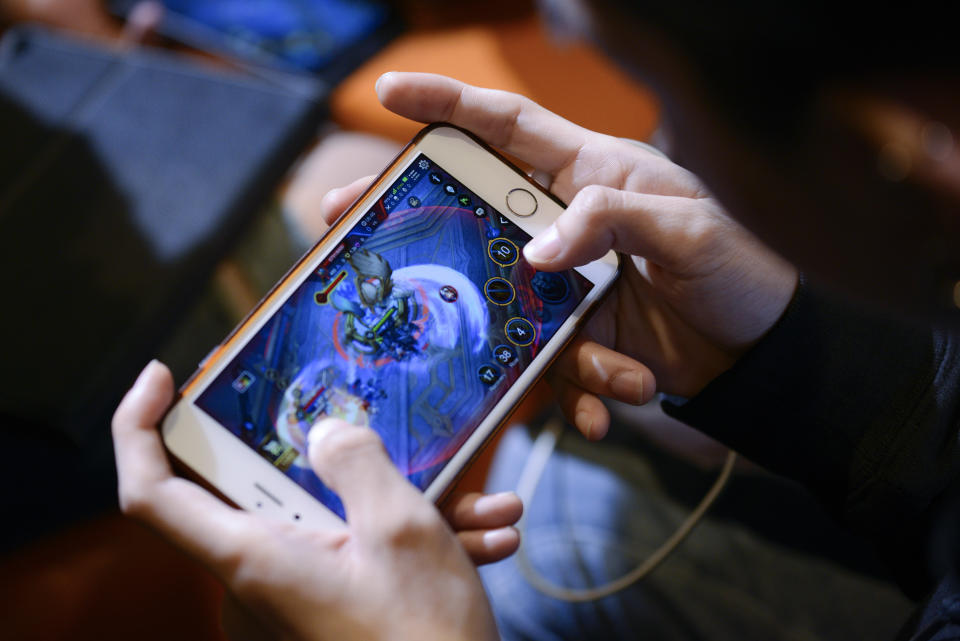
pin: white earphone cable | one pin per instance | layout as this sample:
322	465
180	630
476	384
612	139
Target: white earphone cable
540	453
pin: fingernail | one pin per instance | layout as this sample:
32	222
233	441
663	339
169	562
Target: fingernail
320	430
628	387
502	536
584	420
544	247
490	502
598	431
331	194
145	373
376	87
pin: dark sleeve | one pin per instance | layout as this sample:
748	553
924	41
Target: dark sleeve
860	409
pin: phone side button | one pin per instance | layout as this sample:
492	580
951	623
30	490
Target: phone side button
206	359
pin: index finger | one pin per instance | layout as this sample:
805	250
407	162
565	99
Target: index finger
184	512
506	120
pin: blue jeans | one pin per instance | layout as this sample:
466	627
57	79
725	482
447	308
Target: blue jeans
601	508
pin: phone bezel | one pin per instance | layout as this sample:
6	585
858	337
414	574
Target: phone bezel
239	473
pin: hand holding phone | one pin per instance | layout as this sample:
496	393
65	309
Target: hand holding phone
697	290
352	581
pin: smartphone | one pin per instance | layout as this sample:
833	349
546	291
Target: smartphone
416	314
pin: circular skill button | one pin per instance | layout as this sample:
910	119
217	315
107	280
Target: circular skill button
479	211
435	178
550	287
450	189
520	331
488	375
505	355
503	252
464	200
499	291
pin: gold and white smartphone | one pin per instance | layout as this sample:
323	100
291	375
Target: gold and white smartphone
416	315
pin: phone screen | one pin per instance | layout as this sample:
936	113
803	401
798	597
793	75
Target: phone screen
415	324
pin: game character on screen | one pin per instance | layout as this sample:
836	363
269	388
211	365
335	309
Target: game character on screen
381	322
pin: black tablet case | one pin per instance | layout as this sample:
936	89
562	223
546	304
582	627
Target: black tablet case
124	177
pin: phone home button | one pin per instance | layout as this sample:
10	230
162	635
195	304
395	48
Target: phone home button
521	202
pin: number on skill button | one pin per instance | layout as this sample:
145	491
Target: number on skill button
520	331
503	252
488	375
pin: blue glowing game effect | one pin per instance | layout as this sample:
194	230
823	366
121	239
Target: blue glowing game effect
416	324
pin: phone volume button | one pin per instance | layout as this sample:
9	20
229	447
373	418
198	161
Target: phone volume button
210	354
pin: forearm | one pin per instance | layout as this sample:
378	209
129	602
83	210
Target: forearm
860	409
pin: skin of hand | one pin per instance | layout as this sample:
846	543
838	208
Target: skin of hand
395	570
697	290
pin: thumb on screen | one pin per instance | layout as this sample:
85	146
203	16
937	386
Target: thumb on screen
352	461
